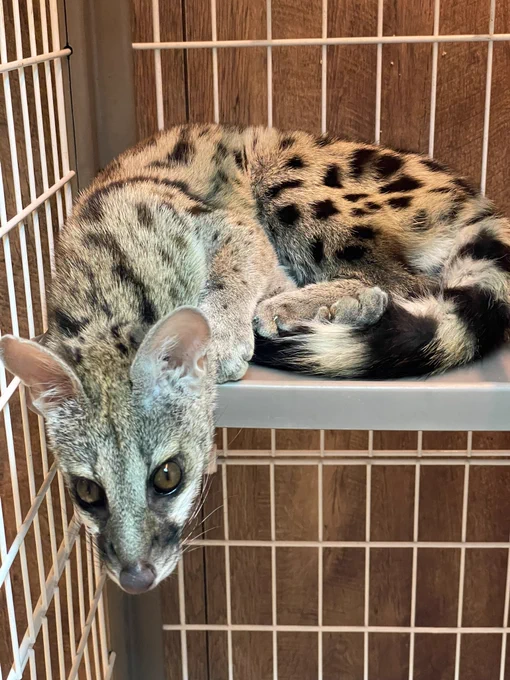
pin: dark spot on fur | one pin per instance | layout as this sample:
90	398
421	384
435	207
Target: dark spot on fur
324	209
277	189
434	165
332	178
295	163
324	140
215	283
359	160
400	202
464	184
387	165
225	305
198	210
286	142
404	183
441	190
358	212
182	153
486	247
144	215
363	231
115	330
227	240
317	250
372	206
134	342
421	221
78	356
235	269
451	213
221	177
221	153
122	348
216	236
480	216
288	214
354	198
70	325
351	253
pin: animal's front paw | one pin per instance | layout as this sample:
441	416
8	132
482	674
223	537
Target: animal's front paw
287	312
361	311
232	349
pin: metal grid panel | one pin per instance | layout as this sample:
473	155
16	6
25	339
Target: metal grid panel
50	581
368	459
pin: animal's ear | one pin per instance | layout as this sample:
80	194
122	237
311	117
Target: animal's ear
49	380
173	350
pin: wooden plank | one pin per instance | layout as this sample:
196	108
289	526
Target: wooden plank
388	656
250	585
344	586
488	504
297	597
441	496
249	502
198	63
296	503
344	502
297	656
392	503
434	657
484	587
437	590
406	77
242	73
390	586
253	656
343	655
475	648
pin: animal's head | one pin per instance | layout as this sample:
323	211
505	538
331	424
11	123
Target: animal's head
133	455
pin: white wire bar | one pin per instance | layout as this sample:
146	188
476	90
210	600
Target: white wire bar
354	40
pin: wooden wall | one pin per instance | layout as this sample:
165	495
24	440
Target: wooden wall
405	123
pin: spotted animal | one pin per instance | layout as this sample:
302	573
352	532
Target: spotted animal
205	244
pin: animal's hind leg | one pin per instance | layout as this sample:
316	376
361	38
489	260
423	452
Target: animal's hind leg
348	301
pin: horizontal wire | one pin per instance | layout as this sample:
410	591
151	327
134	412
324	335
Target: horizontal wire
492	545
354	40
36	59
23	214
246	628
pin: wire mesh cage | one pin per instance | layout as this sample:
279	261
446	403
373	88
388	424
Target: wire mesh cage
375	547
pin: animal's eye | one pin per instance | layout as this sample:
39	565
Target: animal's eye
167	477
90	493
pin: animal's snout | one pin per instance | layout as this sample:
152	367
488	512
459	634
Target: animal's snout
137	578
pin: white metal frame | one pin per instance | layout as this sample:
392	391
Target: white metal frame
65	561
368	458
476	398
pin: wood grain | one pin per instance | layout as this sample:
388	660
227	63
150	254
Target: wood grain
297	597
250	585
343	586
343	655
249	503
488	504
297	656
434	657
388	656
441	495
436	595
484	589
253	656
344	502
296	503
392	503
390	586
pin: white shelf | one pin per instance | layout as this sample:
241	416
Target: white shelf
472	398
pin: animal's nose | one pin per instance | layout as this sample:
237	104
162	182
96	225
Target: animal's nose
137	578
